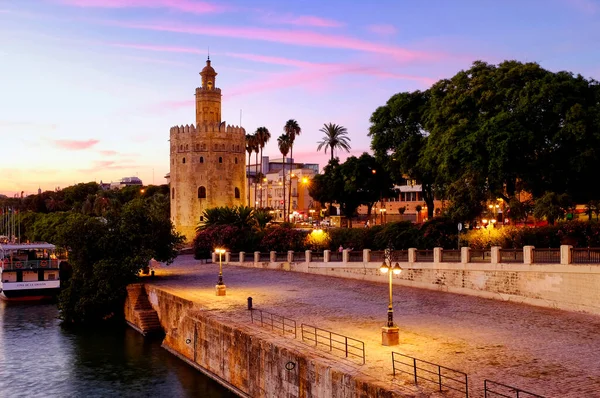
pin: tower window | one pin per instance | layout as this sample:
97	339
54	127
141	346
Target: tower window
220	159
181	147
201	159
238	148
187	147
202	193
201	218
223	147
236	160
173	161
237	193
172	193
197	147
183	160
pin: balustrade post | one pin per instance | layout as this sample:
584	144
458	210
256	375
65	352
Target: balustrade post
366	255
272	256
437	255
345	255
308	255
256	257
412	255
326	256
528	254
213	257
227	257
495	254
242	257
290	256
465	255
566	254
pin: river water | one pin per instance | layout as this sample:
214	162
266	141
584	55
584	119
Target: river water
39	358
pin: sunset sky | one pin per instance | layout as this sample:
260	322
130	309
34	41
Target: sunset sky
90	88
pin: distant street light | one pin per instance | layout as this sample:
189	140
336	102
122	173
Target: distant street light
220	288
390	332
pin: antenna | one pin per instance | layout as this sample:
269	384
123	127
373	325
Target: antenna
209	53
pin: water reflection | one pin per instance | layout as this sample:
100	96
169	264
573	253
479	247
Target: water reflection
38	358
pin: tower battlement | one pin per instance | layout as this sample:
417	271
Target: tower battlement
206	128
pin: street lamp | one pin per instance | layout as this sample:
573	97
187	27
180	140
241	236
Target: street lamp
382	211
390	332
220	287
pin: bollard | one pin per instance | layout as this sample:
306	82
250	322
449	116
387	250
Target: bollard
250	303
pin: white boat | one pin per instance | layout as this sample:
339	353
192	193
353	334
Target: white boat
29	271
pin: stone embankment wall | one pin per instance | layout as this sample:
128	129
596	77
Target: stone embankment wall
573	287
248	360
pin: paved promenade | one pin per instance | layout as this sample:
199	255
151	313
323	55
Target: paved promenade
548	352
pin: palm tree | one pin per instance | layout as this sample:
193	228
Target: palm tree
256	173
250	139
284	144
262	136
335	138
292	129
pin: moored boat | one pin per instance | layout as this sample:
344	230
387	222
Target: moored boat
29	271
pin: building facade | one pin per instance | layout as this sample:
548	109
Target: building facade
207	167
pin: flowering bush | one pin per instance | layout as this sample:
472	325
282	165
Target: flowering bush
282	239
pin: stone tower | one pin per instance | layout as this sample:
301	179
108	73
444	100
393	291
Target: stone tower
207	160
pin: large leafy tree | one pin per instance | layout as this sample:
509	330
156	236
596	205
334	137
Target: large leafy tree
399	138
336	137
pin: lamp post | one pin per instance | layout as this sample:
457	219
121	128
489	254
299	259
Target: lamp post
220	287
390	332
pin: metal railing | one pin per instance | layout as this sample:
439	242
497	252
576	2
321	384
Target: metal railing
494	389
281	256
511	256
264	257
400	256
335	256
29	264
424	256
234	257
443	377
355	256
274	322
480	256
299	257
336	343
546	256
377	256
451	256
585	256
316	257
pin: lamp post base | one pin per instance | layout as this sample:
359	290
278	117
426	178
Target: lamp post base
220	290
390	335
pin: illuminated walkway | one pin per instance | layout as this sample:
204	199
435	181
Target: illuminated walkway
545	351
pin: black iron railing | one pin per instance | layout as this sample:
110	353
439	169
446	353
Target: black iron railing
546	256
451	256
335	256
234	257
494	389
264	257
585	256
29	264
511	256
424	256
480	256
277	323
316	257
445	378
299	257
334	342
281	256
355	256
377	256
400	256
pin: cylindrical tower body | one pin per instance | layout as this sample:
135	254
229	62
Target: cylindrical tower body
207	161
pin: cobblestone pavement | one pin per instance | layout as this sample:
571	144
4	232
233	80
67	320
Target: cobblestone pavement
549	352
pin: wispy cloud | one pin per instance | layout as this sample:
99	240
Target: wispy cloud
108	153
301	20
383	29
75	145
195	7
294	37
272	60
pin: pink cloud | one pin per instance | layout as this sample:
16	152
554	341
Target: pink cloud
302	20
294	37
195	7
383	29
272	60
151	47
154	60
108	153
75	145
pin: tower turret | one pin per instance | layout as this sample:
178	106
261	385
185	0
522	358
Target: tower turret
208	97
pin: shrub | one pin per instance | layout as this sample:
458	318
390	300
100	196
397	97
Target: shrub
398	235
282	239
438	232
232	238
